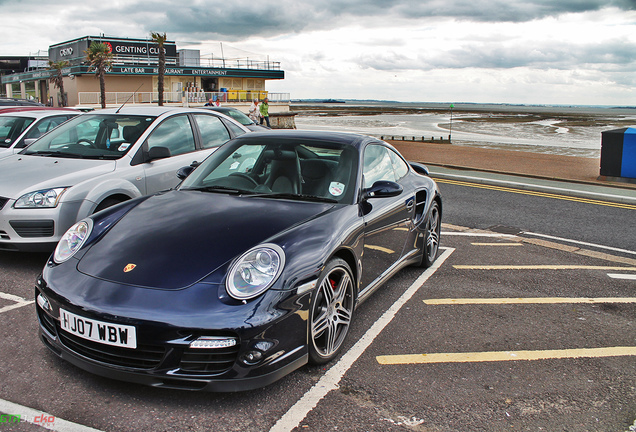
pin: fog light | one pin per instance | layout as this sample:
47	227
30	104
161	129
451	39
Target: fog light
213	342
252	357
44	303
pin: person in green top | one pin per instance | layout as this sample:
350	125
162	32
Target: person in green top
264	108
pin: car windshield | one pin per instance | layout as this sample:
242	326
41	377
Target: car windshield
92	136
11	127
275	168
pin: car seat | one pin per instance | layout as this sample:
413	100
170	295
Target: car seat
284	176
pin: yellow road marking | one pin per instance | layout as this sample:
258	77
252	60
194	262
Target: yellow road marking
379	248
505	355
539	194
496	244
534	300
540	267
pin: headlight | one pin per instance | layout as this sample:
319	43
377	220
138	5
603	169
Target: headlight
72	240
46	198
255	271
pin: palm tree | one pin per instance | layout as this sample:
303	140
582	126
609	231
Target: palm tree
56	78
99	57
160	39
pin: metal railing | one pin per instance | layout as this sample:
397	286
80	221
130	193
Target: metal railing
186	98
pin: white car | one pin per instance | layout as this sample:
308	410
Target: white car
96	160
17	126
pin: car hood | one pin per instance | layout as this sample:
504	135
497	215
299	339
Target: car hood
20	174
175	239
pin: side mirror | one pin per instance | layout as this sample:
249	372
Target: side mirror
184	172
419	168
158	153
28	142
382	189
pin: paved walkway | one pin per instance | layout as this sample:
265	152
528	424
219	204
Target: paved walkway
532	170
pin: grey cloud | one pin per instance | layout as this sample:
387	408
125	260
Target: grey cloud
240	19
610	56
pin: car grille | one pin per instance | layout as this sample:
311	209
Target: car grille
142	357
45	319
3	201
208	361
33	228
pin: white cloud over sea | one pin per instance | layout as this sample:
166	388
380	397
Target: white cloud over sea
533	51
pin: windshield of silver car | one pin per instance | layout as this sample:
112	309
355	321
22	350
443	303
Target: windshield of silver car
11	128
92	136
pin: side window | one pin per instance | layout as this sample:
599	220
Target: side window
42	127
175	134
213	132
237	131
377	165
400	167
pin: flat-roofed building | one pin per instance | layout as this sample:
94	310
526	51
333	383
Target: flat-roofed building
133	77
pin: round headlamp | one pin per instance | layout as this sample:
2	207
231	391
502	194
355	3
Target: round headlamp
255	271
72	240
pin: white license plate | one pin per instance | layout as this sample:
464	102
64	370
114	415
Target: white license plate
98	331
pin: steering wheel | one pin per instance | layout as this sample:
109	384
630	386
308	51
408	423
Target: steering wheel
244	176
90	143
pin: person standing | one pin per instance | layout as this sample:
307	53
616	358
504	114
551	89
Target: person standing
264	111
254	113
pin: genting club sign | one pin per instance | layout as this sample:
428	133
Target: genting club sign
138	49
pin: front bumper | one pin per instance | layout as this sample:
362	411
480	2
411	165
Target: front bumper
34	230
164	357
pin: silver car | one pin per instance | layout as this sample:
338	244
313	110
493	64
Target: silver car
17	127
96	160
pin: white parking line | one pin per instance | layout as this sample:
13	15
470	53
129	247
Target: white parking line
474	234
622	276
40	418
19	302
329	381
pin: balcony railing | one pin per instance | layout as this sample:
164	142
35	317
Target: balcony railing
185	98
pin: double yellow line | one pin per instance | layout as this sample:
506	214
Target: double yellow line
538	194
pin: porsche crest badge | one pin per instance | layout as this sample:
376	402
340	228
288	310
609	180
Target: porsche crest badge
129	268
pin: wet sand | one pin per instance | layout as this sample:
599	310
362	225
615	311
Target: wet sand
568	131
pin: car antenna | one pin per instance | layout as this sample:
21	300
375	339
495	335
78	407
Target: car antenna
122	105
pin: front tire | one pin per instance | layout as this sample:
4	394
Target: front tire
331	310
431	236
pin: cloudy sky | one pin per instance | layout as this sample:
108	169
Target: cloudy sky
496	51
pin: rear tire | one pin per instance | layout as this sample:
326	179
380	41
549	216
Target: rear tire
331	311
431	236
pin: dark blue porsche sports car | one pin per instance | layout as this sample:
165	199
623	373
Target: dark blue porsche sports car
252	267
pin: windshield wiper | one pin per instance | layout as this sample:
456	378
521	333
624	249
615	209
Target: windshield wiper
223	189
55	153
292	196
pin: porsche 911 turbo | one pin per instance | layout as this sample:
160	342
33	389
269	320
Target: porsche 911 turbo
252	267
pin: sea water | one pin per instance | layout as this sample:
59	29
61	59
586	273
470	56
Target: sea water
545	135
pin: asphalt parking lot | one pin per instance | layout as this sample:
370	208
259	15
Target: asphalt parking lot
509	333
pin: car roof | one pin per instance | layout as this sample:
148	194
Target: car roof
356	140
150	110
221	109
32	109
5	101
39	113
